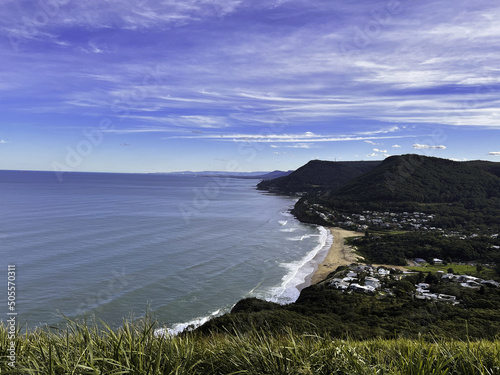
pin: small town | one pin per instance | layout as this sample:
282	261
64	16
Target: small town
404	221
386	220
381	280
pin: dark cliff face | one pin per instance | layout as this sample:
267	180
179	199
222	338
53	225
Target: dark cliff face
318	175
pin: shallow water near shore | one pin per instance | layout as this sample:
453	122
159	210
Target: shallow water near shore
114	245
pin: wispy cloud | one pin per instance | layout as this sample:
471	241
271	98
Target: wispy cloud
427	147
303	138
298	145
494	153
238	70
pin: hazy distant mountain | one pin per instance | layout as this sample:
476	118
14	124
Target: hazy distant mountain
254	175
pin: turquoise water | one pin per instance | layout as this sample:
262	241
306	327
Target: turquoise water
112	245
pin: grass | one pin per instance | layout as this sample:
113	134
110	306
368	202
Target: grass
135	349
462	269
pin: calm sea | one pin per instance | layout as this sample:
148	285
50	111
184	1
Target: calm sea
115	245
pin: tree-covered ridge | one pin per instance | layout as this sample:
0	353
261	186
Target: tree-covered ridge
318	175
416	178
462	195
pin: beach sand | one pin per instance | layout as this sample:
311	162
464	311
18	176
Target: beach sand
339	254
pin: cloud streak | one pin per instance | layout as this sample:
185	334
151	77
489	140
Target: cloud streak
417	146
319	71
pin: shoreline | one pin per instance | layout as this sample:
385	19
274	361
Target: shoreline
339	254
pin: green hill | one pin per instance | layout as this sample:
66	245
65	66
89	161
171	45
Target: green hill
462	195
318	176
416	178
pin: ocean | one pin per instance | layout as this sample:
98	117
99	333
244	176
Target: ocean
113	246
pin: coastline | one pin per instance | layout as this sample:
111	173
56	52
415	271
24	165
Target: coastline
339	254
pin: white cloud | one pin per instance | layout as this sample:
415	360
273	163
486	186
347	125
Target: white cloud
373	143
3	141
396	146
381	151
494	153
390	129
281	138
298	145
427	147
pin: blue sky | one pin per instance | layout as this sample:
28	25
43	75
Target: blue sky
236	85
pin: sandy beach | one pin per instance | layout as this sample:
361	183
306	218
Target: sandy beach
339	254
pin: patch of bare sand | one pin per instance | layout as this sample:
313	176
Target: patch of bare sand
339	254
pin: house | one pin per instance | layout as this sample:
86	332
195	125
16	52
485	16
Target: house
446	298
420	260
437	261
339	284
427	296
372	282
423	285
471	284
349	279
383	272
491	283
362	288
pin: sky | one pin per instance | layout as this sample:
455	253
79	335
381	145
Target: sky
245	85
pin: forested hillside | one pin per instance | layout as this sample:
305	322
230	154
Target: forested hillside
318	176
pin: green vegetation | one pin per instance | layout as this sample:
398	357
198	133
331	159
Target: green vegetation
135	349
318	175
327	331
322	310
460	269
464	196
396	249
417	178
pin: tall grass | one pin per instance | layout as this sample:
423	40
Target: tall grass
134	348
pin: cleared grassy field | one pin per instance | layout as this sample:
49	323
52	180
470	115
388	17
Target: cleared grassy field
462	269
135	349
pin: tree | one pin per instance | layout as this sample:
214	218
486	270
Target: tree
431	278
450	270
404	287
479	268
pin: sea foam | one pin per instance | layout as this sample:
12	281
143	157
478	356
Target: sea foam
299	271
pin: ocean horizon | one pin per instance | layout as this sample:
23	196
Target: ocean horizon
186	248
